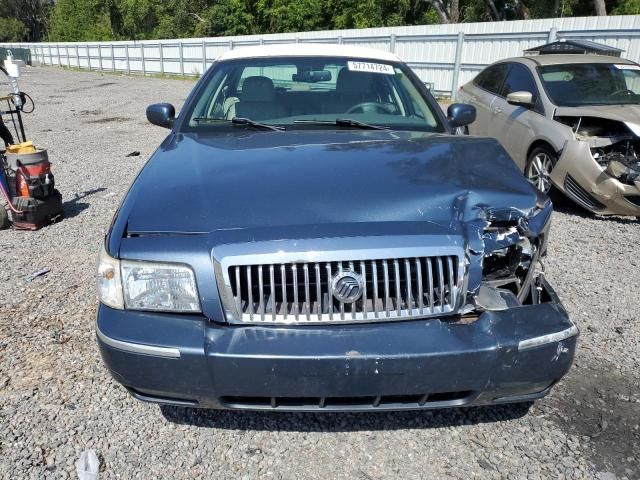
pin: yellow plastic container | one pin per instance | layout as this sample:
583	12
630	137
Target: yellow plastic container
21	148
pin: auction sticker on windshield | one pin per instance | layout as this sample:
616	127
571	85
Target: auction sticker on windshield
370	67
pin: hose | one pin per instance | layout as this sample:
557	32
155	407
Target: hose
24	97
6	196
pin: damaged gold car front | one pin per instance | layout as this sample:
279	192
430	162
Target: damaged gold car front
599	167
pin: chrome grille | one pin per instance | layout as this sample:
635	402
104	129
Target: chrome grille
301	292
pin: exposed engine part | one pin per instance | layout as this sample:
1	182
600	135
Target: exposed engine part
495	299
613	145
586	127
620	160
508	267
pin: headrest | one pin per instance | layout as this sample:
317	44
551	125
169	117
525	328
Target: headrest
354	83
258	89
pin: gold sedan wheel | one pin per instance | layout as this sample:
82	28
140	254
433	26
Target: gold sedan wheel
539	167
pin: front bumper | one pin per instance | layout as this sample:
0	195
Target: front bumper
583	180
500	357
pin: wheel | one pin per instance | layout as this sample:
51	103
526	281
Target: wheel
539	166
4	218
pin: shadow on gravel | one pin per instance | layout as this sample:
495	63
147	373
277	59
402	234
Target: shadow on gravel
342	422
74	206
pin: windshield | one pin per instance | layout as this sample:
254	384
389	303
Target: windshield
592	84
312	90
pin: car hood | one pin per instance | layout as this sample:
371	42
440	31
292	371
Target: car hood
319	182
629	114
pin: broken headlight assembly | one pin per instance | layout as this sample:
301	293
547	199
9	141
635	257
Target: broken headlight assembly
621	161
511	266
508	267
141	285
623	172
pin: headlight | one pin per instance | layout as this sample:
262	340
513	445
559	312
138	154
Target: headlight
139	285
109	284
622	172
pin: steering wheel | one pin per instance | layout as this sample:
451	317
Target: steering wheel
369	107
621	91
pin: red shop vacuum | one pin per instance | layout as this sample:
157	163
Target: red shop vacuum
27	185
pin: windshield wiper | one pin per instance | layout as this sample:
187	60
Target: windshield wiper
238	121
209	119
253	123
345	122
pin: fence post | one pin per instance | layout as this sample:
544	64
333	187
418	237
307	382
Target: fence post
553	35
181	59
392	43
339	39
456	65
161	53
77	57
100	56
50	56
204	56
230	44
127	60
113	59
144	70
66	54
88	57
59	56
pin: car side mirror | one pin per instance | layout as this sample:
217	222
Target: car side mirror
521	99
460	114
161	114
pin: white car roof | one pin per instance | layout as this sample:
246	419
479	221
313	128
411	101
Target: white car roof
309	50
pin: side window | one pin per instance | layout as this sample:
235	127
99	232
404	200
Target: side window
491	79
519	79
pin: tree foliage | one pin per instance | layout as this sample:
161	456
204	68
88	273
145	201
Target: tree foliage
23	19
85	20
12	30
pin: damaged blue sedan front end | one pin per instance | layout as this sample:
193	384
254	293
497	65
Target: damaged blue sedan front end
420	287
365	259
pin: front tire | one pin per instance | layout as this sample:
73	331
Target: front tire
540	164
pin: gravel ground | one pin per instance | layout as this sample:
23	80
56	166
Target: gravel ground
57	399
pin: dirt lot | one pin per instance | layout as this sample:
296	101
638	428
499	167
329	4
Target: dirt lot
56	398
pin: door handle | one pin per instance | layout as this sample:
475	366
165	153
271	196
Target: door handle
497	110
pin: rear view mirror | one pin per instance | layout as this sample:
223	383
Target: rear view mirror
161	114
312	76
523	99
460	114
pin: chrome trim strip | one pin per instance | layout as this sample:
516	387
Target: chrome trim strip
140	348
572	331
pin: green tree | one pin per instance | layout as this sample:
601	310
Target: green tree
228	17
292	16
32	14
627	7
12	30
84	20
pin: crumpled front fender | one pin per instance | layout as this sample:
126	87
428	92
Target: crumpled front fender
576	165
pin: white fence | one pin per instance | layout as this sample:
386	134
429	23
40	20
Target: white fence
444	56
